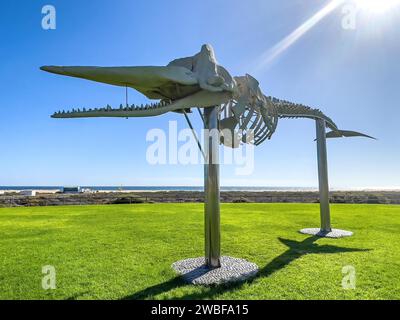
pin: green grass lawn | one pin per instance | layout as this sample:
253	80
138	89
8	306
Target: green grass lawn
125	251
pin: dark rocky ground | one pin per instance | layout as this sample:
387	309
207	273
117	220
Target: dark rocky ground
371	197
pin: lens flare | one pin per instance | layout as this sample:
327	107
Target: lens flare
371	7
293	37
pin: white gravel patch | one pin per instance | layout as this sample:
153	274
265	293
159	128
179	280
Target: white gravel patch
196	272
335	233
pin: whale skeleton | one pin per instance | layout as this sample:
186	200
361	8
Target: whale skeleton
230	103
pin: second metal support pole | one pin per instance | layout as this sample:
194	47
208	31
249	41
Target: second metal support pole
323	176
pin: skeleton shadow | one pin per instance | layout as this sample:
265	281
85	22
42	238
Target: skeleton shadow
296	249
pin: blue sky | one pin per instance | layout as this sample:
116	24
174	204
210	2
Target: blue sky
352	75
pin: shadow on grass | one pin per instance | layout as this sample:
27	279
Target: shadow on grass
295	250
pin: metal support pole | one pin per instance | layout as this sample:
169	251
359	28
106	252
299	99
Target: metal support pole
211	189
323	176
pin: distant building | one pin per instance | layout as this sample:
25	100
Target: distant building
71	190
28	193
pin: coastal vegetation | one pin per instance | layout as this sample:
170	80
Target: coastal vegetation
14	199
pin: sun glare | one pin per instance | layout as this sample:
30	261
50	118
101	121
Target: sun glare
377	6
369	7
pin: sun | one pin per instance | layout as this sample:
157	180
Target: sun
377	6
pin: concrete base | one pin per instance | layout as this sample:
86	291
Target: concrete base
196	272
335	233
